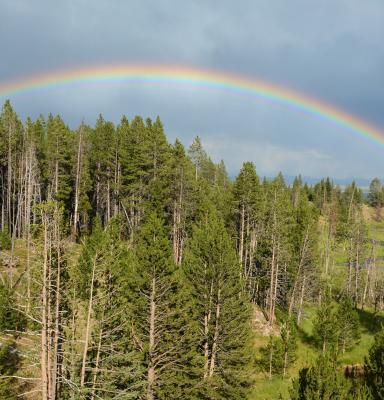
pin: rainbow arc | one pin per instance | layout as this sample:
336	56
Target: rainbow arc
198	78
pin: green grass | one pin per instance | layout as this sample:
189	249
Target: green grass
307	352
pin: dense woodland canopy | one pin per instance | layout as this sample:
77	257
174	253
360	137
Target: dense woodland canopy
132	268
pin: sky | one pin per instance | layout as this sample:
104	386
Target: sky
331	50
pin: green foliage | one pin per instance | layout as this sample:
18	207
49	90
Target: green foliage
5	240
156	308
9	363
280	352
212	272
10	318
165	257
359	391
374	367
288	334
347	323
272	356
322	381
376	194
325	326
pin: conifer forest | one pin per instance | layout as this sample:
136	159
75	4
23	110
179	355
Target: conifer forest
135	268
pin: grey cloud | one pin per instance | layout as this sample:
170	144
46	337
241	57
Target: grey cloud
329	49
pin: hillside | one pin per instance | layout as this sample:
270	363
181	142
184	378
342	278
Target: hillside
369	321
135	268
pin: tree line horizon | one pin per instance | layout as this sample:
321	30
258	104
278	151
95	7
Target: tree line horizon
133	268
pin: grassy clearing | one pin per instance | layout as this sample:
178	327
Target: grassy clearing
272	389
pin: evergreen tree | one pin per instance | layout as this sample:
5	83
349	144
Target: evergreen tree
156	313
374	367
10	318
104	365
272	356
10	361
182	199
348	323
280	352
375	194
248	220
212	271
204	167
288	336
102	164
59	157
81	182
322	381
325	327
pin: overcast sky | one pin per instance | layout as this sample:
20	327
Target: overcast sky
330	49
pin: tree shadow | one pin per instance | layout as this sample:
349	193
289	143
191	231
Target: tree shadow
370	321
305	337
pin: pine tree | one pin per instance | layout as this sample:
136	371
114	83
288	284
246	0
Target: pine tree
348	323
375	194
181	199
325	327
59	155
303	272
102	365
10	157
81	182
322	381
102	163
288	336
374	367
156	313
275	255
280	352
204	167
10	318
222	310
10	361
247	206
272	356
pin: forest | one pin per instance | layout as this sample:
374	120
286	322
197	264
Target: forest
133	268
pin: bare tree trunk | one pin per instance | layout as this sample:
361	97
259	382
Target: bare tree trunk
357	273
207	319
9	181
96	369
56	182
215	336
350	266
271	284
77	185
298	273
98	190
44	325
177	228
56	368
367	280
300	310
152	329
3	202
108	198
241	244
286	354
175	233
274	298
88	327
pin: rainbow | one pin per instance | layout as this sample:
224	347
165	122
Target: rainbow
153	75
